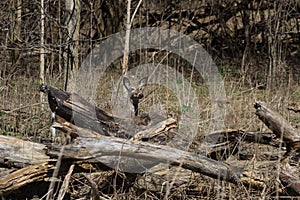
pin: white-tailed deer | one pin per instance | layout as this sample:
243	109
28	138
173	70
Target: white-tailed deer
135	93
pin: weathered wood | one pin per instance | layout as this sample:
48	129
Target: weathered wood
220	145
289	174
19	153
277	123
24	176
75	109
120	153
65	184
161	128
290	181
114	152
103	149
109	149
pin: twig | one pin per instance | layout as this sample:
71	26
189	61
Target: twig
135	11
22	107
54	175
65	184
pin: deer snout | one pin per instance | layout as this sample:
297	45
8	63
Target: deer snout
140	95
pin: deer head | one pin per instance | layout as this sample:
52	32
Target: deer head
135	93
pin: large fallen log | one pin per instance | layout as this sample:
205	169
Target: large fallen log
72	103
104	149
74	109
277	123
115	152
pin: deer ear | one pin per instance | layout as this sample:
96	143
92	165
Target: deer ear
126	83
143	82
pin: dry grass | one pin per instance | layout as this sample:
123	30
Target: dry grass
21	112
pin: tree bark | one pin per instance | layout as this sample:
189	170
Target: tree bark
277	123
24	176
42	48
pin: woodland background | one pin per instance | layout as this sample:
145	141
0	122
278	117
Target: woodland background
255	45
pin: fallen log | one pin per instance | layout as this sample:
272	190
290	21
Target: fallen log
75	109
289	174
279	126
115	152
105	150
94	145
24	176
20	153
65	100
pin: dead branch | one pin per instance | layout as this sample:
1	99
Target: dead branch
294	108
275	122
65	184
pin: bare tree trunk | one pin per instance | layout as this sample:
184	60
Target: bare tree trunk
274	43
16	30
129	21
246	24
127	36
19	20
73	8
76	36
42	50
60	39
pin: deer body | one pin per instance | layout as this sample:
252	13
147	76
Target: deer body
135	93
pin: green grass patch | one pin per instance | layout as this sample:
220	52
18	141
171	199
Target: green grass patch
228	68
